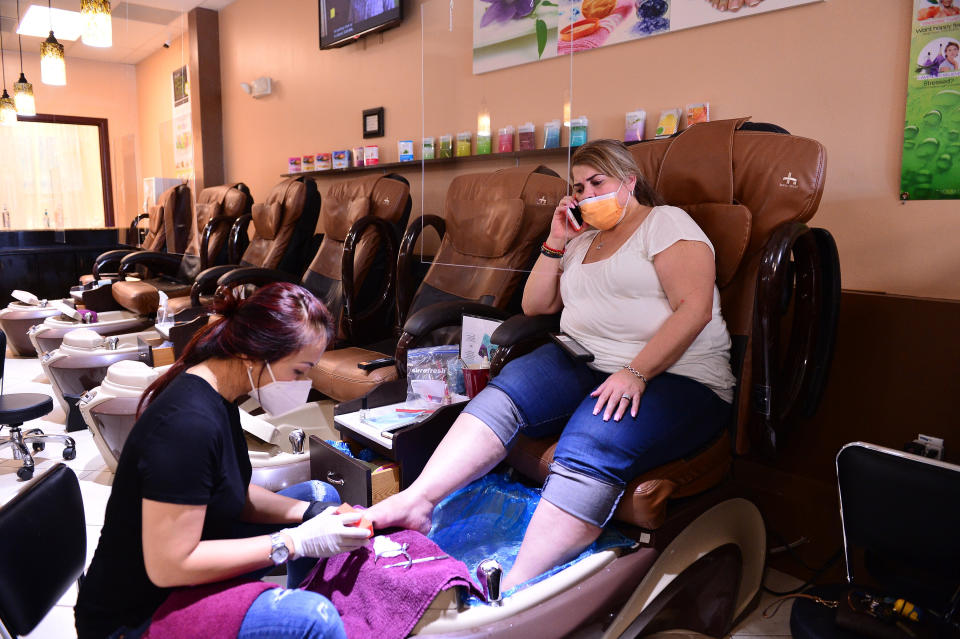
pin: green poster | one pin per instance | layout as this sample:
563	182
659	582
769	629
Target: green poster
931	135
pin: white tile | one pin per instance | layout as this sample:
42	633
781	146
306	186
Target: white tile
58	624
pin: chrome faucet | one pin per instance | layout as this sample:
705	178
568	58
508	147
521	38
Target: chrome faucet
296	438
489	573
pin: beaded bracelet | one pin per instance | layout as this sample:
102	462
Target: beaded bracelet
636	374
550	252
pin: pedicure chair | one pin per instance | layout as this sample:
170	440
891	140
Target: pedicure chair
699	554
491	231
169	219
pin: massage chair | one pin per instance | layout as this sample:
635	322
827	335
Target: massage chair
115	319
491	231
166	230
699	554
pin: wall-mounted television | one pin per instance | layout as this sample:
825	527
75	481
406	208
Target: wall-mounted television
345	21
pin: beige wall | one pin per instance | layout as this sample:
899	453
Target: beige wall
155	106
97	90
820	71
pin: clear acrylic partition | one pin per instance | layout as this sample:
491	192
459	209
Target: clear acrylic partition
466	87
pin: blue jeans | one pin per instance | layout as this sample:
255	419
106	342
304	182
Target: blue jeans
548	393
282	613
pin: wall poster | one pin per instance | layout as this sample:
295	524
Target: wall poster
182	127
511	32
931	136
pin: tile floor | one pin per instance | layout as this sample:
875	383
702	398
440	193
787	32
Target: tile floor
25	375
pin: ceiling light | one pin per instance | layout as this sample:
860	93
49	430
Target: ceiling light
23	90
97	25
53	68
37	21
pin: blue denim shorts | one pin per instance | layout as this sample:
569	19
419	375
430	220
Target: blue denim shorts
546	393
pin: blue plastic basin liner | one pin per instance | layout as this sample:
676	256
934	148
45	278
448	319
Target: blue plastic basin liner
487	520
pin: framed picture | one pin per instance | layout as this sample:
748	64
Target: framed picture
373	123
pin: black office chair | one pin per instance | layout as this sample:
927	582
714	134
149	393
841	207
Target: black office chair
46	516
901	527
17	408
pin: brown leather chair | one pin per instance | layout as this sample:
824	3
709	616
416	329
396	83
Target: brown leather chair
168	232
284	225
751	191
354	270
491	231
216	209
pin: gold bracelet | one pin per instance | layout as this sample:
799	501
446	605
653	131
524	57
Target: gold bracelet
636	374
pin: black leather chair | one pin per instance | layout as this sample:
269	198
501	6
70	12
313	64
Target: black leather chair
47	517
17	408
900	530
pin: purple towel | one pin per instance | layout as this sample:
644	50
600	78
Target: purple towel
211	611
386	603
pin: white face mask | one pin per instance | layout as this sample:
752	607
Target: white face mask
279	397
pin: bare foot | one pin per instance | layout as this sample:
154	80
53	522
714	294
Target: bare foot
403	510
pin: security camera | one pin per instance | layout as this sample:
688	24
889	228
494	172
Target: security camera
166	44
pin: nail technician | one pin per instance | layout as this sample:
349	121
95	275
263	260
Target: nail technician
182	510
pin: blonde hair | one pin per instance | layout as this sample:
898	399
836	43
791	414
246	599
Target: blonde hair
612	158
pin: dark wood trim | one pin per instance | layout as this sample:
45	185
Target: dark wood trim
101	124
206	114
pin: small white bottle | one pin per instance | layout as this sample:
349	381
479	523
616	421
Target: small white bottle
6	217
46	219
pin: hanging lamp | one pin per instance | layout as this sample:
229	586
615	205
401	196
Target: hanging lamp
8	111
23	90
53	68
97	24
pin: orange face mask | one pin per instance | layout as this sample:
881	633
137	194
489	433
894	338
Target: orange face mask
603	212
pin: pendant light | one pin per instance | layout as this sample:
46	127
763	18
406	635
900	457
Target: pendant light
23	90
53	69
97	24
8	111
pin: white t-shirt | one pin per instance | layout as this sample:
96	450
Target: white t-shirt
613	307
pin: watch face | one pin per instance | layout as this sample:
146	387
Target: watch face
279	553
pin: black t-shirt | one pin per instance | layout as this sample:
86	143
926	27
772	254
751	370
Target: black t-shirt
186	448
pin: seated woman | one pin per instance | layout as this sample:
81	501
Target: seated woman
182	510
636	288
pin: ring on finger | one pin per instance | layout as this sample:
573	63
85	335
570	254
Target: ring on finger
623	397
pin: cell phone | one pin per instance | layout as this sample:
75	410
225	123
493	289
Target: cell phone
572	347
576	216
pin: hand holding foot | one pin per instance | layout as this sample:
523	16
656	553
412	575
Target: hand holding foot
403	510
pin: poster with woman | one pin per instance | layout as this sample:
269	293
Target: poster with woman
930	166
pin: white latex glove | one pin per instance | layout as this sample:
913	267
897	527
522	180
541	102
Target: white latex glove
326	535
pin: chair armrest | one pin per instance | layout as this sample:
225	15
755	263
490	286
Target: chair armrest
520	334
356	318
168	263
435	316
107	259
206	282
405	260
254	275
238	229
779	372
205	238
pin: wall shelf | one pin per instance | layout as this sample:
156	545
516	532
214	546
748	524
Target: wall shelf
416	164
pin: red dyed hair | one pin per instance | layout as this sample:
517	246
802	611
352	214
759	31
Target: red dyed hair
277	320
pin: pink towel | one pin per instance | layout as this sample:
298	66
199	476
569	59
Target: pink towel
598	37
211	611
386	603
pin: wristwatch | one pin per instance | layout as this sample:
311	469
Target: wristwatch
279	553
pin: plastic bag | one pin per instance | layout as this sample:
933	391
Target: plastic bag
428	370
487	520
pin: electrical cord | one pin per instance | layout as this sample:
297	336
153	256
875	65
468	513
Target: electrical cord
817	572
